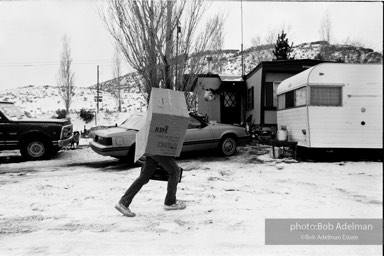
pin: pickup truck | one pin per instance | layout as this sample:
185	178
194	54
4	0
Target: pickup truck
36	139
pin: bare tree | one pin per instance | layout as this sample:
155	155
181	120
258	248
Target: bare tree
326	28
256	41
261	52
66	78
117	76
271	37
157	36
193	51
356	43
325	32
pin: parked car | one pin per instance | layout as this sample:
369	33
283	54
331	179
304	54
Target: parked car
36	138
119	142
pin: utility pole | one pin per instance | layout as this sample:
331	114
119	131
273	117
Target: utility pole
119	88
242	53
178	30
97	90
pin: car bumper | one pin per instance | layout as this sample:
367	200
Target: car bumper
62	143
243	140
109	150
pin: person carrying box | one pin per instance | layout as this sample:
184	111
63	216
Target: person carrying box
160	139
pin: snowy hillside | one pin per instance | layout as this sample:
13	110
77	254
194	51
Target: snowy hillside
228	62
315	50
41	101
44	101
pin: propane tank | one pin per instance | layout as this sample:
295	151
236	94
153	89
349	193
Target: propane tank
282	134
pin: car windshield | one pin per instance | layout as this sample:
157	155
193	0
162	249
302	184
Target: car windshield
12	112
134	123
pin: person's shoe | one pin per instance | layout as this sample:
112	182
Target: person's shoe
177	206
124	210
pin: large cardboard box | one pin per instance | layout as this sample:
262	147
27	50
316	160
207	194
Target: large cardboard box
165	126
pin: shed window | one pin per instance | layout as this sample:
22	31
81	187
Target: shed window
281	101
250	99
270	94
325	96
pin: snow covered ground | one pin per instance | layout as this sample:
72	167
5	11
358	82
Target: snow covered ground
65	206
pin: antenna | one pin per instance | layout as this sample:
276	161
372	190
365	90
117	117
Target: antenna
97	88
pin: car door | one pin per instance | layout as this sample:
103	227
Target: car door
199	136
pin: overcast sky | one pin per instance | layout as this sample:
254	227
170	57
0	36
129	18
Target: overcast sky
31	33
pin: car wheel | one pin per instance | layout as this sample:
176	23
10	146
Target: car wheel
35	149
228	146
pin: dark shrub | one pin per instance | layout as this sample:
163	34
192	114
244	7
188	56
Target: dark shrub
60	114
86	115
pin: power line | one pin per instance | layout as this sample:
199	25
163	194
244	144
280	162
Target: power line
54	63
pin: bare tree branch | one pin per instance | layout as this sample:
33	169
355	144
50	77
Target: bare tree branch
66	78
147	33
326	28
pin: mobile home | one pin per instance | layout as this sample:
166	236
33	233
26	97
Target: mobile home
261	84
333	105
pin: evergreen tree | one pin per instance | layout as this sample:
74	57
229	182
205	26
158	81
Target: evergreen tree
282	48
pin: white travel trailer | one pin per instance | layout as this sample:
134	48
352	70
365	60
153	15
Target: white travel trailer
333	105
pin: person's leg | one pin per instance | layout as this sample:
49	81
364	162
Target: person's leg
145	175
170	165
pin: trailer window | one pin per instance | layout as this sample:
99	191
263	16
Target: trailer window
290	99
286	100
325	96
281	101
300	97
275	85
295	98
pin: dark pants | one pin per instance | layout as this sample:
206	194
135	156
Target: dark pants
169	164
